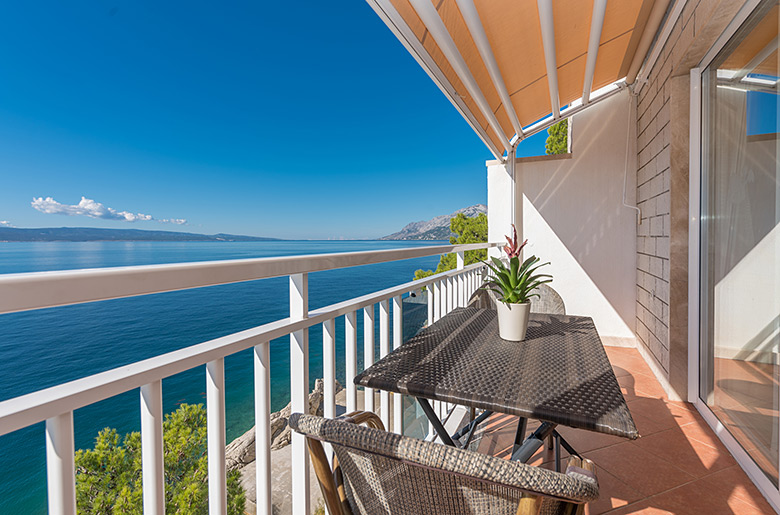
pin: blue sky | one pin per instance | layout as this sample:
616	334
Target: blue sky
265	119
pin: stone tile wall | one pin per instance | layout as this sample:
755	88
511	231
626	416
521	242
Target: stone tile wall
662	190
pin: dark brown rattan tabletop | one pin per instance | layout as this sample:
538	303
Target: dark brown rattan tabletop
560	373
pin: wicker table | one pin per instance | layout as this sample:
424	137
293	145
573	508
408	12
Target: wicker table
559	374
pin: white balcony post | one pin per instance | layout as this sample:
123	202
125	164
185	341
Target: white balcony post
60	467
384	350
215	431
350	344
329	374
152	453
368	353
299	392
461	260
436	300
450	293
429	297
398	340
263	427
329	367
443	309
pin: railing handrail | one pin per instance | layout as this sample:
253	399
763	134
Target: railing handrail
37	290
37	406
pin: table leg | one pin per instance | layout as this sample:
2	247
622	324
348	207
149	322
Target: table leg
437	425
472	425
522	424
557	439
532	444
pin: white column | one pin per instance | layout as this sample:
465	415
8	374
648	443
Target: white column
60	467
263	427
368	353
299	392
384	350
398	340
505	202
215	431
152	456
350	343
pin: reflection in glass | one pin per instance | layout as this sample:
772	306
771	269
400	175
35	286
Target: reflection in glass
740	252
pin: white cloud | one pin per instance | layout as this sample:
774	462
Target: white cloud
5	223
92	209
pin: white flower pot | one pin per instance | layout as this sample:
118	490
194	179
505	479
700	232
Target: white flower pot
512	320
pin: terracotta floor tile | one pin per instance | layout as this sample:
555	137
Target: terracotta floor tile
584	441
700	431
734	481
664	414
678	466
639	469
613	493
627	359
694	457
648	386
694	498
645	507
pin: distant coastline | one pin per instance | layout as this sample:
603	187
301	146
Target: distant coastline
13	234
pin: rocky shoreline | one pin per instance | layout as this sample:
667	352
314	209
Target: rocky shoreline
240	454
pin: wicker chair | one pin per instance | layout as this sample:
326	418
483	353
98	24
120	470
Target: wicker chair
376	472
548	302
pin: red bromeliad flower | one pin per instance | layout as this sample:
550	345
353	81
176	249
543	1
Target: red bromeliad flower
512	249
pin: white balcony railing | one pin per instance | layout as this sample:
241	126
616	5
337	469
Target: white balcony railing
55	406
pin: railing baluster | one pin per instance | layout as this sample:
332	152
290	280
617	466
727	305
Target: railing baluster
329	367
299	392
444	287
60	467
368	353
398	340
263	426
215	425
350	329
384	350
436	300
450	292
329	374
429	297
438	309
460	258
152	455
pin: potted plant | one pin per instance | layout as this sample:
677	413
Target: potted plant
514	285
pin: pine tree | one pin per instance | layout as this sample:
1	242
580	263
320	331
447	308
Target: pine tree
108	477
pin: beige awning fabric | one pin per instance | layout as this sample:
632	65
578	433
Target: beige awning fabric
517	45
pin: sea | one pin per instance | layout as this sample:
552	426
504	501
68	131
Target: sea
47	347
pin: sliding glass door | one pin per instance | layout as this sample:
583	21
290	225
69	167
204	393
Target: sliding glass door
740	238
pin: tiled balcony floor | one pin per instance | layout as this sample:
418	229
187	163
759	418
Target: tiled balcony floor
677	465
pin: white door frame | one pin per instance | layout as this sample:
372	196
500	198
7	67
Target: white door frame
769	490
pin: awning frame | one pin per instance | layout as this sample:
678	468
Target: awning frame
436	28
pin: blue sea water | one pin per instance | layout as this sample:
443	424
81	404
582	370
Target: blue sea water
44	348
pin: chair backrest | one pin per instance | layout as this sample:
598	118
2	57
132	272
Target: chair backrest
548	302
385	473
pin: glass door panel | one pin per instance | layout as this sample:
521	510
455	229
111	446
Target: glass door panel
740	252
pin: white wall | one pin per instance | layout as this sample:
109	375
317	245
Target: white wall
573	216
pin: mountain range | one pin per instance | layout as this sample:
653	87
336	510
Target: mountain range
437	228
95	234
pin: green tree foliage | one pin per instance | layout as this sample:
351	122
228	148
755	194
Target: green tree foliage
467	230
108	477
558	139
